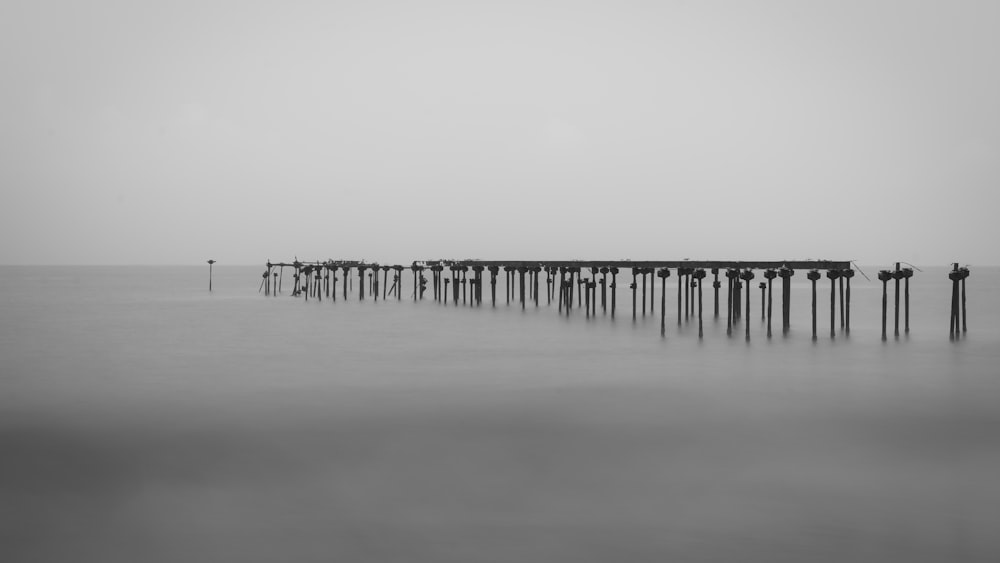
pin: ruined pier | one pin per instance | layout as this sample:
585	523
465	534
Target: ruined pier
583	284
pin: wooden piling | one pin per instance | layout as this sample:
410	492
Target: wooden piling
747	276
643	272
769	275
763	298
833	275
884	276
847	274
730	275
687	293
786	299
907	273
633	286
699	276
965	274
680	284
210	264
614	290
663	274
897	275
716	284
840	283
813	275
562	287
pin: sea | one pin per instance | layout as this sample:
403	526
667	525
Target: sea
144	418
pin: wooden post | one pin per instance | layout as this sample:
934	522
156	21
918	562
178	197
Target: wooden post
614	290
536	270
604	290
769	275
965	274
747	276
834	275
361	283
663	274
579	296
907	274
840	283
633	286
210	263
643	272
687	293
562	287
953	324
763	298
813	275
680	285
729	302
884	276
521	271
848	274
897	275
699	276
786	299
716	284
738	298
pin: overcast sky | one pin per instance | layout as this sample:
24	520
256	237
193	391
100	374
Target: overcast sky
172	132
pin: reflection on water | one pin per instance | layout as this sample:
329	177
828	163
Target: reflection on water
153	424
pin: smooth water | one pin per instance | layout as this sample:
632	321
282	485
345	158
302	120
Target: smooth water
144	419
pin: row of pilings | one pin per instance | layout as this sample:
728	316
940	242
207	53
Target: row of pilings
586	285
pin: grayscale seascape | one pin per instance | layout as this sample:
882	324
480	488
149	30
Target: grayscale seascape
150	415
144	419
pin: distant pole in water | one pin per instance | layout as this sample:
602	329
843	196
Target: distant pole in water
813	275
210	262
884	276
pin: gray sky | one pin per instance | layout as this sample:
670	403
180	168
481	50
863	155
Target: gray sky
173	132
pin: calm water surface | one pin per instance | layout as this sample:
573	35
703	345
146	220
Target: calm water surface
143	419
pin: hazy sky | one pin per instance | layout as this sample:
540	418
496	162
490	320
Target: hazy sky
173	132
